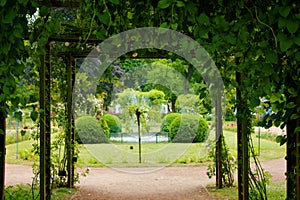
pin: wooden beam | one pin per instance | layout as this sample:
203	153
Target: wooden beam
48	122
297	156
242	141
219	136
42	75
45	127
69	140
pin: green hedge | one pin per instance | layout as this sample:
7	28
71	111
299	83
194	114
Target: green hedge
167	120
188	128
113	122
89	131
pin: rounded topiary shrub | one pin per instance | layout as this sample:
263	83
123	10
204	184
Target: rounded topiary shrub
167	120
113	122
188	128
89	131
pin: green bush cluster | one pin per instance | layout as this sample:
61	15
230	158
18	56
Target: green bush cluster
168	119
185	127
89	131
113	122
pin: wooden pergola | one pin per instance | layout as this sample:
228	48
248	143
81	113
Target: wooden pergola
45	119
45	125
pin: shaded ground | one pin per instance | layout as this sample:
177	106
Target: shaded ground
142	183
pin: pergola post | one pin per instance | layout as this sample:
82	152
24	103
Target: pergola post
298	158
219	136
70	129
45	126
2	153
242	141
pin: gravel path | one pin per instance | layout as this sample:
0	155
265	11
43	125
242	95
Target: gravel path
142	183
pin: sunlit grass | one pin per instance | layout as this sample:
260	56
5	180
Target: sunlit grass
275	191
26	192
153	154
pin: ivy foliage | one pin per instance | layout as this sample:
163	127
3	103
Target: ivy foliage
13	50
258	39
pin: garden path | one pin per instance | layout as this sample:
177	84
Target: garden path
165	183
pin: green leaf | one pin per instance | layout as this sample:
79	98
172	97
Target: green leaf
116	2
291	105
18	31
297	56
281	139
271	57
10	15
1	132
284	11
18	116
292	91
164	4
34	115
191	8
203	19
104	18
174	26
101	34
44	10
297	40
285	42
179	4
292	26
6	90
165	25
282	22
275	97
23	132
297	16
130	15
2	2
294	116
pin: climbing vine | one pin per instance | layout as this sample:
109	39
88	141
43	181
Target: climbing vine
258	39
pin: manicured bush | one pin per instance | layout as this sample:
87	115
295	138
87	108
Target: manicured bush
167	120
89	131
188	128
113	122
156	97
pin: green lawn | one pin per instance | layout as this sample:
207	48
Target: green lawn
275	191
153	154
24	192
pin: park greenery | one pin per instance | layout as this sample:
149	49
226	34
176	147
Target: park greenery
253	43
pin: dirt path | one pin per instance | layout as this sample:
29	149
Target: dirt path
142	183
166	183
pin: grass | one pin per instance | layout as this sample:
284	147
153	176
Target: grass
153	154
24	192
11	152
275	191
126	154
